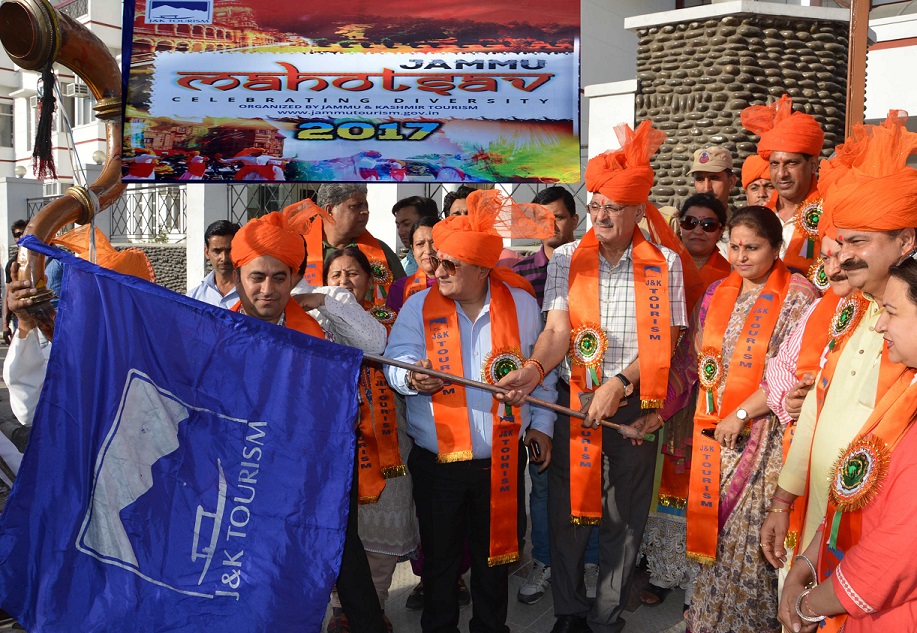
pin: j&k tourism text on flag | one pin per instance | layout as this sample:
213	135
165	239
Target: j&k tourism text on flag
189	468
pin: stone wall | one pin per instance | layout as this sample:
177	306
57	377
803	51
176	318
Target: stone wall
694	79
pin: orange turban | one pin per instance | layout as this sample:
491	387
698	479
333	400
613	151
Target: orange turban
477	238
755	168
871	188
131	261
624	175
272	235
782	130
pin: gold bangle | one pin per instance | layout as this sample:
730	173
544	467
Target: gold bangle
780	509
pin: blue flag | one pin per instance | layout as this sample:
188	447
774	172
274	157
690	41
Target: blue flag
189	468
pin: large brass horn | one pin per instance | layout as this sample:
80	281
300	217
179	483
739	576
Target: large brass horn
35	34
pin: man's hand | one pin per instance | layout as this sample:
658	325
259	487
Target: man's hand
649	423
424	383
605	402
7	333
727	430
544	443
310	300
773	535
18	299
797	395
520	382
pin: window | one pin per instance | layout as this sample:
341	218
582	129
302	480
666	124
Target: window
6	124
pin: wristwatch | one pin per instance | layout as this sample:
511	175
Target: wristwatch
628	385
742	414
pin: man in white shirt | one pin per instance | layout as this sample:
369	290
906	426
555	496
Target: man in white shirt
218	288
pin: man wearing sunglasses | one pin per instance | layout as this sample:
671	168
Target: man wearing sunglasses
468	459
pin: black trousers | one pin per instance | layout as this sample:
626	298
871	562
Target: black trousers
627	490
453	501
355	582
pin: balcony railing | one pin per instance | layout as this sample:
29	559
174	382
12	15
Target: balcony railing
143	213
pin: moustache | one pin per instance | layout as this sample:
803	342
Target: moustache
605	224
853	264
837	277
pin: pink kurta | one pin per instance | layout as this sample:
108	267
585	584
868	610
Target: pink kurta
876	581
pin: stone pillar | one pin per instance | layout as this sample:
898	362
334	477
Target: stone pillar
698	68
206	204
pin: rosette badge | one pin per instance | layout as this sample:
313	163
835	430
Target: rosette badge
807	221
818	276
497	365
846	318
856	478
710	373
587	349
382	278
384	315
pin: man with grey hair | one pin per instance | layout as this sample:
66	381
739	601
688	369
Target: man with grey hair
346	202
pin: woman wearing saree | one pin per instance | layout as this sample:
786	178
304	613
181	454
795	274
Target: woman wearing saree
737	442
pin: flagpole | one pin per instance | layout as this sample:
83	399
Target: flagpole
624	429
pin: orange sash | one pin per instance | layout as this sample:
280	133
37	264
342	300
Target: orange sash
379	454
814	339
651	281
450	409
315	255
714	269
856	481
415	283
295	318
805	244
746	368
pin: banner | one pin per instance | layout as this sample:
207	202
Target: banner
189	468
260	90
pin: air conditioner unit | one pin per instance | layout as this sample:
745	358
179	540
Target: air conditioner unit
75	90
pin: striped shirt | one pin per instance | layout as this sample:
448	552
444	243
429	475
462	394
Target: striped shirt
618	306
535	269
780	371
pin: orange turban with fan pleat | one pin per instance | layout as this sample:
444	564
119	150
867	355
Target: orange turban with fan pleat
782	130
868	185
755	168
278	234
625	175
131	261
477	238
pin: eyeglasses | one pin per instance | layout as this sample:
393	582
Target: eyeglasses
448	266
707	225
608	208
17	234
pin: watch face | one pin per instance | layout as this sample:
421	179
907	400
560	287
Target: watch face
741	414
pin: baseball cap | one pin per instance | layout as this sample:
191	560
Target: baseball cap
712	159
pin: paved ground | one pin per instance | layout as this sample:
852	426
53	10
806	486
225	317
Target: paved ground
537	618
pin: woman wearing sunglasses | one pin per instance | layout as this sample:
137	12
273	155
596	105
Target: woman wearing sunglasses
701	220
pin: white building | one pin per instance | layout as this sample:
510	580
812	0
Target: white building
181	213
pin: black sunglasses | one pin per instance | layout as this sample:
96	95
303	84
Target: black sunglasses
447	265
708	225
17	234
